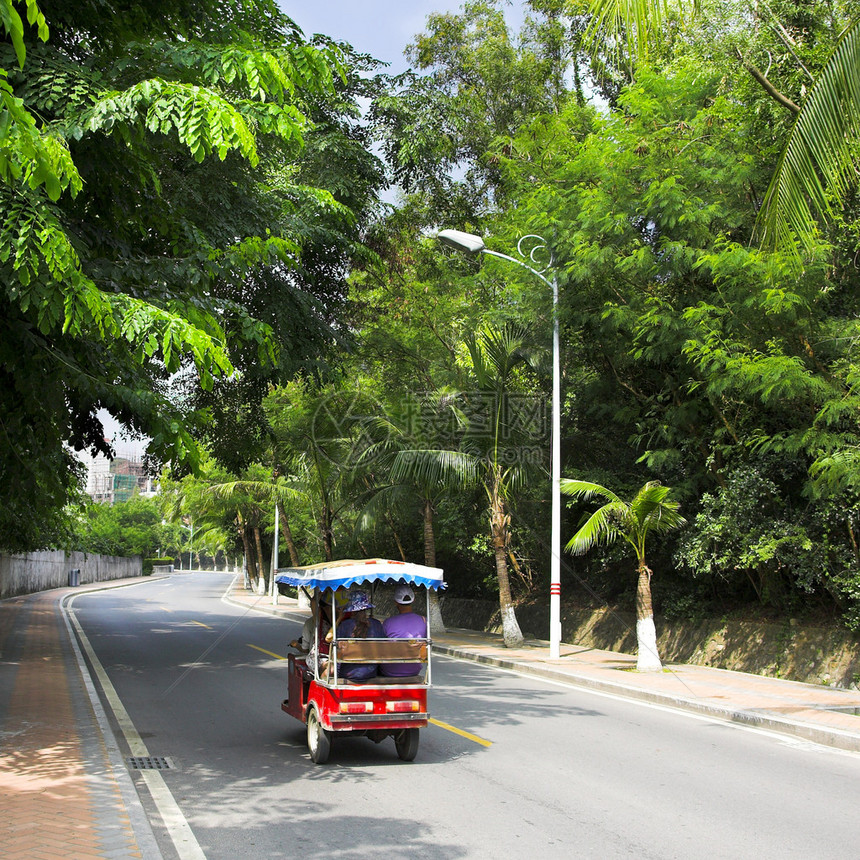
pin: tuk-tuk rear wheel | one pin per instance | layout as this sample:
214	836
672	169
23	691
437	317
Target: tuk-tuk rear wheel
406	741
319	740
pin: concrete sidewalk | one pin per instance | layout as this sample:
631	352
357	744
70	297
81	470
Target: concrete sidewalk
823	715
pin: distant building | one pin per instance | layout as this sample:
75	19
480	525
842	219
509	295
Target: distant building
117	481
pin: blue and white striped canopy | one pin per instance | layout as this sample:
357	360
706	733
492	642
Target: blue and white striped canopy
347	572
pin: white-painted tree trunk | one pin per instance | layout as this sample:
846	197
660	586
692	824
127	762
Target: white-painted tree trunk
511	633
436	624
646	639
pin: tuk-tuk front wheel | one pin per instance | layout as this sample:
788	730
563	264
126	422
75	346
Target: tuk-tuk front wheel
406	741
319	740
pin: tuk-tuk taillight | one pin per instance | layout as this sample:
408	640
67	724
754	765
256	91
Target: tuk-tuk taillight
400	706
356	708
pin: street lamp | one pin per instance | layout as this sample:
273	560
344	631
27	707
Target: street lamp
471	244
273	589
190	546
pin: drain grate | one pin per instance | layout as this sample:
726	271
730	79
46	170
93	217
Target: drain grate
153	762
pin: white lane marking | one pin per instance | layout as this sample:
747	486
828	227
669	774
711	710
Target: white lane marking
140	823
186	844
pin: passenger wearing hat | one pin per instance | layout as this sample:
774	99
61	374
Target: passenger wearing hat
406	624
359	625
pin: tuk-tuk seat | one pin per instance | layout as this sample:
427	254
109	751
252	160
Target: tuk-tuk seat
406	680
381	650
383	680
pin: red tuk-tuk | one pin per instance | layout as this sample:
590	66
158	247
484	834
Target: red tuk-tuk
378	707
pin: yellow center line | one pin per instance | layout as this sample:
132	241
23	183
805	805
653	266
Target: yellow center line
201	624
270	653
467	735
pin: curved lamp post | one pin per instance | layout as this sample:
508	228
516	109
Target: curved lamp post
471	244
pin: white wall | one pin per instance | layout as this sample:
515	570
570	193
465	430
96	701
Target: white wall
39	571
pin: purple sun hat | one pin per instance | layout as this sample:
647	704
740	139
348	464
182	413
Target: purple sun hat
358	601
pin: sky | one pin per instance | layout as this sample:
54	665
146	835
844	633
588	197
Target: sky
382	28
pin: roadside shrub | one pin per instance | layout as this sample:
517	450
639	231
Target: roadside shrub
758	536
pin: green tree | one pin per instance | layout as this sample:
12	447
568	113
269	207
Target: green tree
818	164
411	428
188	500
253	499
131	528
473	85
702	353
649	512
149	200
319	433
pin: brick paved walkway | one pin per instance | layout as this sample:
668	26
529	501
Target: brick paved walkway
59	793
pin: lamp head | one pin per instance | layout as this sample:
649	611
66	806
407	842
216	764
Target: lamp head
466	242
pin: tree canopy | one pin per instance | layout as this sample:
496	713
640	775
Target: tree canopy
160	228
192	238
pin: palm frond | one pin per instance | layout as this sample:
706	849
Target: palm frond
503	350
649	498
380	451
254	489
258	491
633	23
652	510
479	365
435	468
603	526
516	477
585	490
384	500
820	161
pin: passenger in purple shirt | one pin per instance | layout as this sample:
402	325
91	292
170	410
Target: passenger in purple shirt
405	625
358	626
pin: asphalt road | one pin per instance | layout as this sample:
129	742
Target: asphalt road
521	767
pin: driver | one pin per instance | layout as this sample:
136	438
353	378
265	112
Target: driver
319	609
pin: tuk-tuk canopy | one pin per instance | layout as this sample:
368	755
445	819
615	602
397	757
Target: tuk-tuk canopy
347	572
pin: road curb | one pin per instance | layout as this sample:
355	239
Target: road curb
292	612
816	734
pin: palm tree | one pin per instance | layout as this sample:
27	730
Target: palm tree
650	511
258	492
491	434
821	158
401	436
189	497
247	499
406	494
